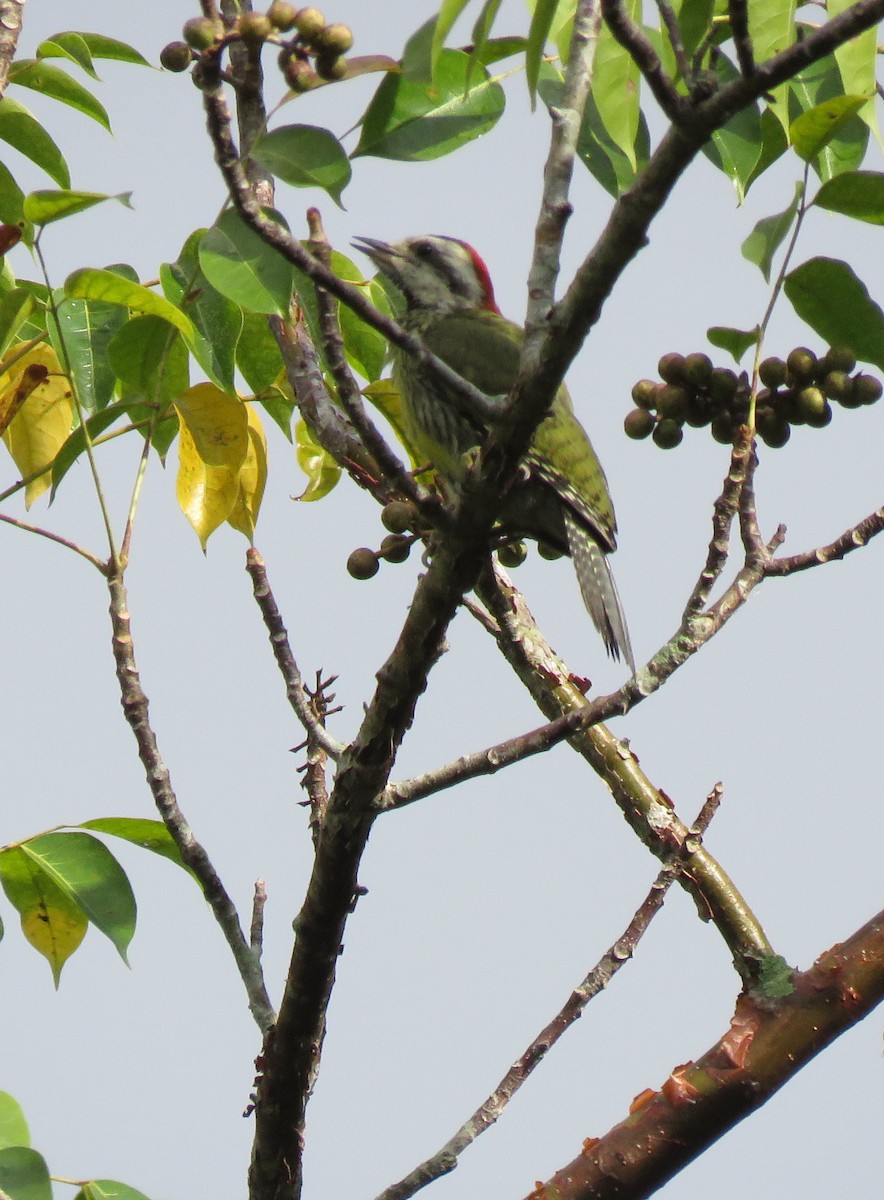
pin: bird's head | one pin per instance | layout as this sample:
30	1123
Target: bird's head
439	274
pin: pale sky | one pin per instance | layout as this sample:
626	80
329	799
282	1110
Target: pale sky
488	904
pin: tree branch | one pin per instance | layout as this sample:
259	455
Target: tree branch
10	29
135	710
852	539
770	1039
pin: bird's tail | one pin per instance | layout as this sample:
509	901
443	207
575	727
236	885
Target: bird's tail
598	589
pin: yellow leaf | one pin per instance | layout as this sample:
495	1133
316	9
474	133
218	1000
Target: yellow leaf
37	412
317	464
212	448
252	478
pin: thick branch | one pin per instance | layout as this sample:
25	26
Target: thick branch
768	1042
10	29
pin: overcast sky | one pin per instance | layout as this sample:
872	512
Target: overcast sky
485	905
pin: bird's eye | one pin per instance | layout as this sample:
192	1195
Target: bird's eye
424	249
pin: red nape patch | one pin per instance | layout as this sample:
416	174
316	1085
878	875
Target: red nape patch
483	273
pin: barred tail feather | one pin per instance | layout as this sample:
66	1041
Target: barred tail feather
598	589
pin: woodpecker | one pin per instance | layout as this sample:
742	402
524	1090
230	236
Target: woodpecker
561	496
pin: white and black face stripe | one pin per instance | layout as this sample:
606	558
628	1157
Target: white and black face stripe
449	260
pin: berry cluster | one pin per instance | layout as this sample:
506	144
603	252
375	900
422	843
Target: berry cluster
310	38
795	392
398	516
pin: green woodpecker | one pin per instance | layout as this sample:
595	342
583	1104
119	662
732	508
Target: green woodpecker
561	497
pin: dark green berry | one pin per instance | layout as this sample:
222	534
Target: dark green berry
201	32
840	358
668	434
812	402
644	394
309	23
672	401
700	411
395	549
671	367
697	370
802	364
836	384
820	418
255	27
638	424
772	428
723	429
282	15
512	555
397	516
550	553
362	563
176	56
723	384
334	40
772	372
298	73
331	68
867	388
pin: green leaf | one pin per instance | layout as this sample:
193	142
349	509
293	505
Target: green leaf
12	204
538	36
771	30
257	353
42	208
86	871
97	45
412	121
72	47
735	341
496	50
15	308
814	129
857	194
608	165
827	294
140	831
448	14
216	319
53	82
21	129
815	85
80	338
76	443
13	1126
305	156
92	283
24	1174
108	1189
694	21
241	266
615	87
856	61
150	360
366	349
769	233
317	464
52	922
774	144
736	147
484	50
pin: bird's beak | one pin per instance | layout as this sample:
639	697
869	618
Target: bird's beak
381	253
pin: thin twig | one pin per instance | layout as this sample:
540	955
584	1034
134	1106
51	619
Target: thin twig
256	925
639	45
673	32
738	11
295	691
594	982
55	537
852	539
135	709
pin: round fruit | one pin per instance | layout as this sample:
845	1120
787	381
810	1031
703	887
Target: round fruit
840	358
334	40
668	434
772	372
395	549
723	429
550	553
176	56
397	516
362	563
773	429
298	74
330	68
672	401
700	411
282	15
812	403
671	367
802	364
822	418
836	384
255	27
644	394
867	389
201	32
723	385
309	23
638	424
697	370
512	555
